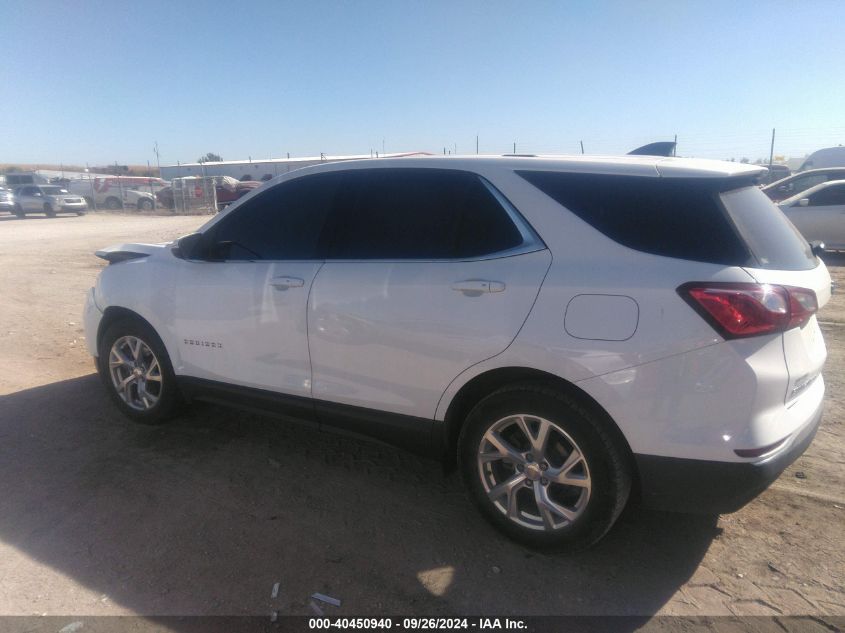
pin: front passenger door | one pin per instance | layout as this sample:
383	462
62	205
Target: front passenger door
240	313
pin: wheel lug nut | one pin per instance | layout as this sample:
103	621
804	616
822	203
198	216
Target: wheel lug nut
527	483
520	467
544	466
544	481
529	457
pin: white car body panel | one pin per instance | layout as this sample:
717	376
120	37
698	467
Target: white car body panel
243	323
392	335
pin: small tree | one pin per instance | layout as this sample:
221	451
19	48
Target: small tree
210	157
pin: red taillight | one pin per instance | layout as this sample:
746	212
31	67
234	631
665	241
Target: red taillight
742	309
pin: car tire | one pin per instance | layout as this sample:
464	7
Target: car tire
19	211
563	493
145	205
132	354
113	203
80	213
89	201
49	211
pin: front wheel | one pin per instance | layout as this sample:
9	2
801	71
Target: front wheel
145	205
113	203
543	468
19	212
49	211
136	370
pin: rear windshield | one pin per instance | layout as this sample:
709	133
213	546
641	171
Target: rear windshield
771	237
684	218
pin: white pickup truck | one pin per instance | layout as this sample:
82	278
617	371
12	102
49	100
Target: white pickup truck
117	192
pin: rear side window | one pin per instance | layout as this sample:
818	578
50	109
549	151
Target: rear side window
283	223
418	214
679	218
833	195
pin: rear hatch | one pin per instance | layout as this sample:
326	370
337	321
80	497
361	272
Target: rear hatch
781	256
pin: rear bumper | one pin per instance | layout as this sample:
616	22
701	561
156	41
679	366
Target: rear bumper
711	487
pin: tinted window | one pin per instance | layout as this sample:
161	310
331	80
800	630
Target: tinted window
418	214
283	222
770	236
676	217
829	196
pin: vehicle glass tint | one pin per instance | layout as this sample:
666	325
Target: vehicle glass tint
833	195
800	184
771	237
418	214
678	217
282	223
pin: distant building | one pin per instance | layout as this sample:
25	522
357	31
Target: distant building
261	169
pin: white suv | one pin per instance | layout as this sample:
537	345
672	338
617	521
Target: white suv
568	330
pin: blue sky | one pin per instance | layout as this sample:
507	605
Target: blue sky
101	81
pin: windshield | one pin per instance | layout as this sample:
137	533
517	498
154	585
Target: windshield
53	191
768	233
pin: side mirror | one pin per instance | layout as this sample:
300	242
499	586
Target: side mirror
188	246
817	246
803	202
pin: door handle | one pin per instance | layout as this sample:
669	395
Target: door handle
478	286
283	283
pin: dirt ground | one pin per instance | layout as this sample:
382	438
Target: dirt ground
100	516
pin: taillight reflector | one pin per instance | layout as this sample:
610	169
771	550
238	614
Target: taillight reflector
738	310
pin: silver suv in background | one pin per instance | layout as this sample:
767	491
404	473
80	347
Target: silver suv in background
7	200
47	199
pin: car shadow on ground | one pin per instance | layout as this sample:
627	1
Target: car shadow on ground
204	515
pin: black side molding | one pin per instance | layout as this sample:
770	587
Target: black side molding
409	432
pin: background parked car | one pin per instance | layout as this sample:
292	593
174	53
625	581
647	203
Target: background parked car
7	200
228	190
47	199
795	184
818	213
107	193
775	173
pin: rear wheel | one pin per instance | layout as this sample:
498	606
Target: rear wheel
19	211
144	204
49	211
90	201
543	468
113	203
136	370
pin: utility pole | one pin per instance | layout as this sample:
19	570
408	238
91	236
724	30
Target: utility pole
91	182
152	193
476	144
582	147
514	147
675	146
119	185
158	162
772	151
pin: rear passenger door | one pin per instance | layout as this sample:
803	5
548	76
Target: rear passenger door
427	272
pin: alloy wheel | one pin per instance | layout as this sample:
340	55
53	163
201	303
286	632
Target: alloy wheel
135	373
533	472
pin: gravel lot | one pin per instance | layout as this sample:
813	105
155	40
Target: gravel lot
99	516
